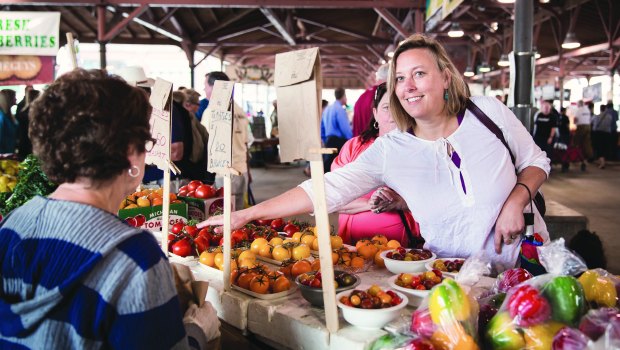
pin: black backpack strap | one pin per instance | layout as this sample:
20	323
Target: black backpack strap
486	121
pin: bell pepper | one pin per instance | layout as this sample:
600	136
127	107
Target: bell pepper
567	299
503	335
527	306
540	337
449	303
599	289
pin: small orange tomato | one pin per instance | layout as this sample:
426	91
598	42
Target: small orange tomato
259	284
281	284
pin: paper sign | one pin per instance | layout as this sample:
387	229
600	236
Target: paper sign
160	124
218	119
298	87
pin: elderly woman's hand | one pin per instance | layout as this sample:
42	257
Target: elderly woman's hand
385	199
509	226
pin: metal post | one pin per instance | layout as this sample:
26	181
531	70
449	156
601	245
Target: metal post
522	44
102	56
100	35
191	75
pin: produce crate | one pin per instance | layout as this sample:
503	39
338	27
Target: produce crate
150	217
201	209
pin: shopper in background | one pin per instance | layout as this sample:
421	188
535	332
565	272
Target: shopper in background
8	123
24	146
582	139
545	124
362	111
455	175
274	120
356	221
335	127
614	136
603	126
24	101
109	286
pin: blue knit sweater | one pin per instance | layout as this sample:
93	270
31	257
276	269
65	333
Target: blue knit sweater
74	276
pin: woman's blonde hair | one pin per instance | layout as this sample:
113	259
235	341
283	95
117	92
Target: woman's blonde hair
458	91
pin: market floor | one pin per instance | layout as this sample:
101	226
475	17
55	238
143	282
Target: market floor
595	193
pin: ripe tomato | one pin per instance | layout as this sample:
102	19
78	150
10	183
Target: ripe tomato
193	185
215	239
183	188
277	224
177	228
219	192
290	229
281	284
204	233
182	193
191	230
205	192
264	222
201	244
300	252
182	248
300	267
259	284
244	279
191	194
239	235
280	253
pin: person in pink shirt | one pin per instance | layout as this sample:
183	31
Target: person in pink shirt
362	111
356	220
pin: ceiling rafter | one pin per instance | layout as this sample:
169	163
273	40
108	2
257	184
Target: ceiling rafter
279	25
119	27
390	19
292	4
228	21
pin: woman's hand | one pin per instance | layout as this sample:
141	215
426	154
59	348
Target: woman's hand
237	220
509	225
385	199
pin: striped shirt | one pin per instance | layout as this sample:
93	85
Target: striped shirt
74	276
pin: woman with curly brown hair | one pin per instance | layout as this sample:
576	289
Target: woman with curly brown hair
73	274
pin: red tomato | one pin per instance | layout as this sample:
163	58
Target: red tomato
191	194
193	185
171	237
277	224
201	244
219	192
182	248
204	233
191	230
216	239
239	235
182	193
183	188
290	229
177	228
205	192
264	222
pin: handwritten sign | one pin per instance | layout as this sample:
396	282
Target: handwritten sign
298	86
159	155
219	121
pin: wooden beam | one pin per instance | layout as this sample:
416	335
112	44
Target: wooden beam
292	4
335	28
275	42
80	18
228	21
169	12
392	21
273	18
114	31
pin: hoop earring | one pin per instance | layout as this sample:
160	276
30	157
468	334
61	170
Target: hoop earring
376	125
446	95
132	170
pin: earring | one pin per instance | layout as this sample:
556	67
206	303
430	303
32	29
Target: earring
134	171
376	125
446	95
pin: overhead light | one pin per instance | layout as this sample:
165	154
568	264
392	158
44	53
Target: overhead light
477	37
468	72
506	1
536	55
390	54
503	61
383	61
484	68
545	1
571	41
455	31
494	26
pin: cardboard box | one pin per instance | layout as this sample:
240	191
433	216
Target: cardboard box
298	87
201	209
150	217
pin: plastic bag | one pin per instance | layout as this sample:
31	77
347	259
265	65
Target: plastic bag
602	327
535	310
448	317
601	288
400	342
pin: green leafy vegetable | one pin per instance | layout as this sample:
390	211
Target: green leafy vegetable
31	181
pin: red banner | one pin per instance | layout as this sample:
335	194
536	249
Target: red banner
23	70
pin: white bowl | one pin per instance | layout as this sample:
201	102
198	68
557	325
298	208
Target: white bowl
429	267
370	318
401	266
415	295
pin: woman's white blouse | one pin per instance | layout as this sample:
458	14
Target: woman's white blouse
455	220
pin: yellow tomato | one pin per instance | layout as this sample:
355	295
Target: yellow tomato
246	255
315	244
275	241
257	245
207	258
280	253
265	251
308	239
336	242
300	252
297	237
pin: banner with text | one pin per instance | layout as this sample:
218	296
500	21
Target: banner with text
29	33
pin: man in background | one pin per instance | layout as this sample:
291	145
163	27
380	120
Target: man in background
582	138
335	127
362	111
545	123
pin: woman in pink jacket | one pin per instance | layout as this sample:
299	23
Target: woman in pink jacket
356	220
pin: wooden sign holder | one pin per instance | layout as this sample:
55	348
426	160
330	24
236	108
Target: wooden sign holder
71	48
227	223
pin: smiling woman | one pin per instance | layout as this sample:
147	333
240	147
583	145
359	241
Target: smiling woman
454	174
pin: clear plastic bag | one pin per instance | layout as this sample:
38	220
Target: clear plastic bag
601	288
